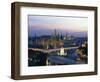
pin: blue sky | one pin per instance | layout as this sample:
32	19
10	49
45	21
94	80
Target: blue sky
45	25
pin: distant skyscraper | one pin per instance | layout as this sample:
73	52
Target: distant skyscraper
55	32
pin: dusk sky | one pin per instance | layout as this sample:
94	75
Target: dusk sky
45	25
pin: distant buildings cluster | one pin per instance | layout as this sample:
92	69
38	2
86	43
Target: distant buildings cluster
49	41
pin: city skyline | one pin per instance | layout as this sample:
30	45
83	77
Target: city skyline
45	25
54	40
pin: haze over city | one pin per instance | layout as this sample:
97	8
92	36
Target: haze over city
45	25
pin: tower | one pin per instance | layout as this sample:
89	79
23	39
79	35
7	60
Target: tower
55	32
35	38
